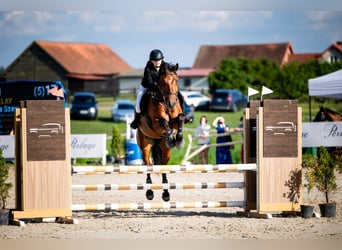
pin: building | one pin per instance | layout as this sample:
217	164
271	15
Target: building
194	79
210	56
333	53
79	66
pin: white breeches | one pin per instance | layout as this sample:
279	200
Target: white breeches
141	92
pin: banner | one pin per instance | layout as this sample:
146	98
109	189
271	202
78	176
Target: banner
315	134
7	146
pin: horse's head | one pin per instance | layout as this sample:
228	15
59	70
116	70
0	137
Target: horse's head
326	114
320	116
168	84
331	115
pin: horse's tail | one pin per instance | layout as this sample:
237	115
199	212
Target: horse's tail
156	154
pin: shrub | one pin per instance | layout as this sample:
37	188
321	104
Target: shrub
4	186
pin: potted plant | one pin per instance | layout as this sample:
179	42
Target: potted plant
309	163
321	174
4	190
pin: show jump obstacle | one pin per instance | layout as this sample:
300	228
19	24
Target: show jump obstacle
272	139
43	180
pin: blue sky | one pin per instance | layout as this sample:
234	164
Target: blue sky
133	30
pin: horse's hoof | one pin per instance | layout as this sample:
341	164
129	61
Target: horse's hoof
170	143
180	144
166	195
149	194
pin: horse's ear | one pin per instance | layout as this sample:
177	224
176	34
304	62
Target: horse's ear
173	67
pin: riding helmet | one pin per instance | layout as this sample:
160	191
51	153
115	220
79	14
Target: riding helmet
156	55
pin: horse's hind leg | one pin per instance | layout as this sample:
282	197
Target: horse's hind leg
166	194
149	192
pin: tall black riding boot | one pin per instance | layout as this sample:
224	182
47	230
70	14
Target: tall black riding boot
135	122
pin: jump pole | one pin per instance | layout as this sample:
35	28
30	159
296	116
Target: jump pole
158	169
162	205
159	186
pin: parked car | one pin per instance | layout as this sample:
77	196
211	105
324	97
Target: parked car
84	106
195	99
122	110
228	99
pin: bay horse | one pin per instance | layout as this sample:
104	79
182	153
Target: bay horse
326	114
161	128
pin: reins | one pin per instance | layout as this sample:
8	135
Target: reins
165	94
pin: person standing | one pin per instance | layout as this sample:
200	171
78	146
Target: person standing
223	155
202	133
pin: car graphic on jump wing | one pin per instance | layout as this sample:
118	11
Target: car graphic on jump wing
281	128
47	130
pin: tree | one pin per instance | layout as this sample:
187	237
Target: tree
288	82
241	73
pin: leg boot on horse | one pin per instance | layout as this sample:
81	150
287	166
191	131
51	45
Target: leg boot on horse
149	192
166	194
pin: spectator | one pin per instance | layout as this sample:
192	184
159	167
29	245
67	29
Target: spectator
223	155
202	133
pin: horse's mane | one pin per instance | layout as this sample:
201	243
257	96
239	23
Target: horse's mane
331	111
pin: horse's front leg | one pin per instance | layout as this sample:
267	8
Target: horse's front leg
170	134
165	124
179	136
166	194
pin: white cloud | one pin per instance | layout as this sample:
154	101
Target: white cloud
324	20
26	23
41	22
198	21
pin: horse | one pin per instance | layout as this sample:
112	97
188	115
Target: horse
161	128
326	114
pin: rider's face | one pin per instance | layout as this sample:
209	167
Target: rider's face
157	63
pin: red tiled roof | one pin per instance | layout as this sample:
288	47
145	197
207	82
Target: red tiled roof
85	58
86	77
337	46
210	56
302	58
193	72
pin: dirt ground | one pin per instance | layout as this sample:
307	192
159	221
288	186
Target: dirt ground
215	223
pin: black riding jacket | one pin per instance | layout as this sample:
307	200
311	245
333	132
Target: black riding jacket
151	79
151	75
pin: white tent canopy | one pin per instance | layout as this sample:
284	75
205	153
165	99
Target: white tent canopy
329	85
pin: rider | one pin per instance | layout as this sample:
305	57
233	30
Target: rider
150	81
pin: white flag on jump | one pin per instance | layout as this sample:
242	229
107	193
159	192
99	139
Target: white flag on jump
252	91
266	91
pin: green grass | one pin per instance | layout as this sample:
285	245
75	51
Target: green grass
104	124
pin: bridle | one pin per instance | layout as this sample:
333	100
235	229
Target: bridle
165	94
